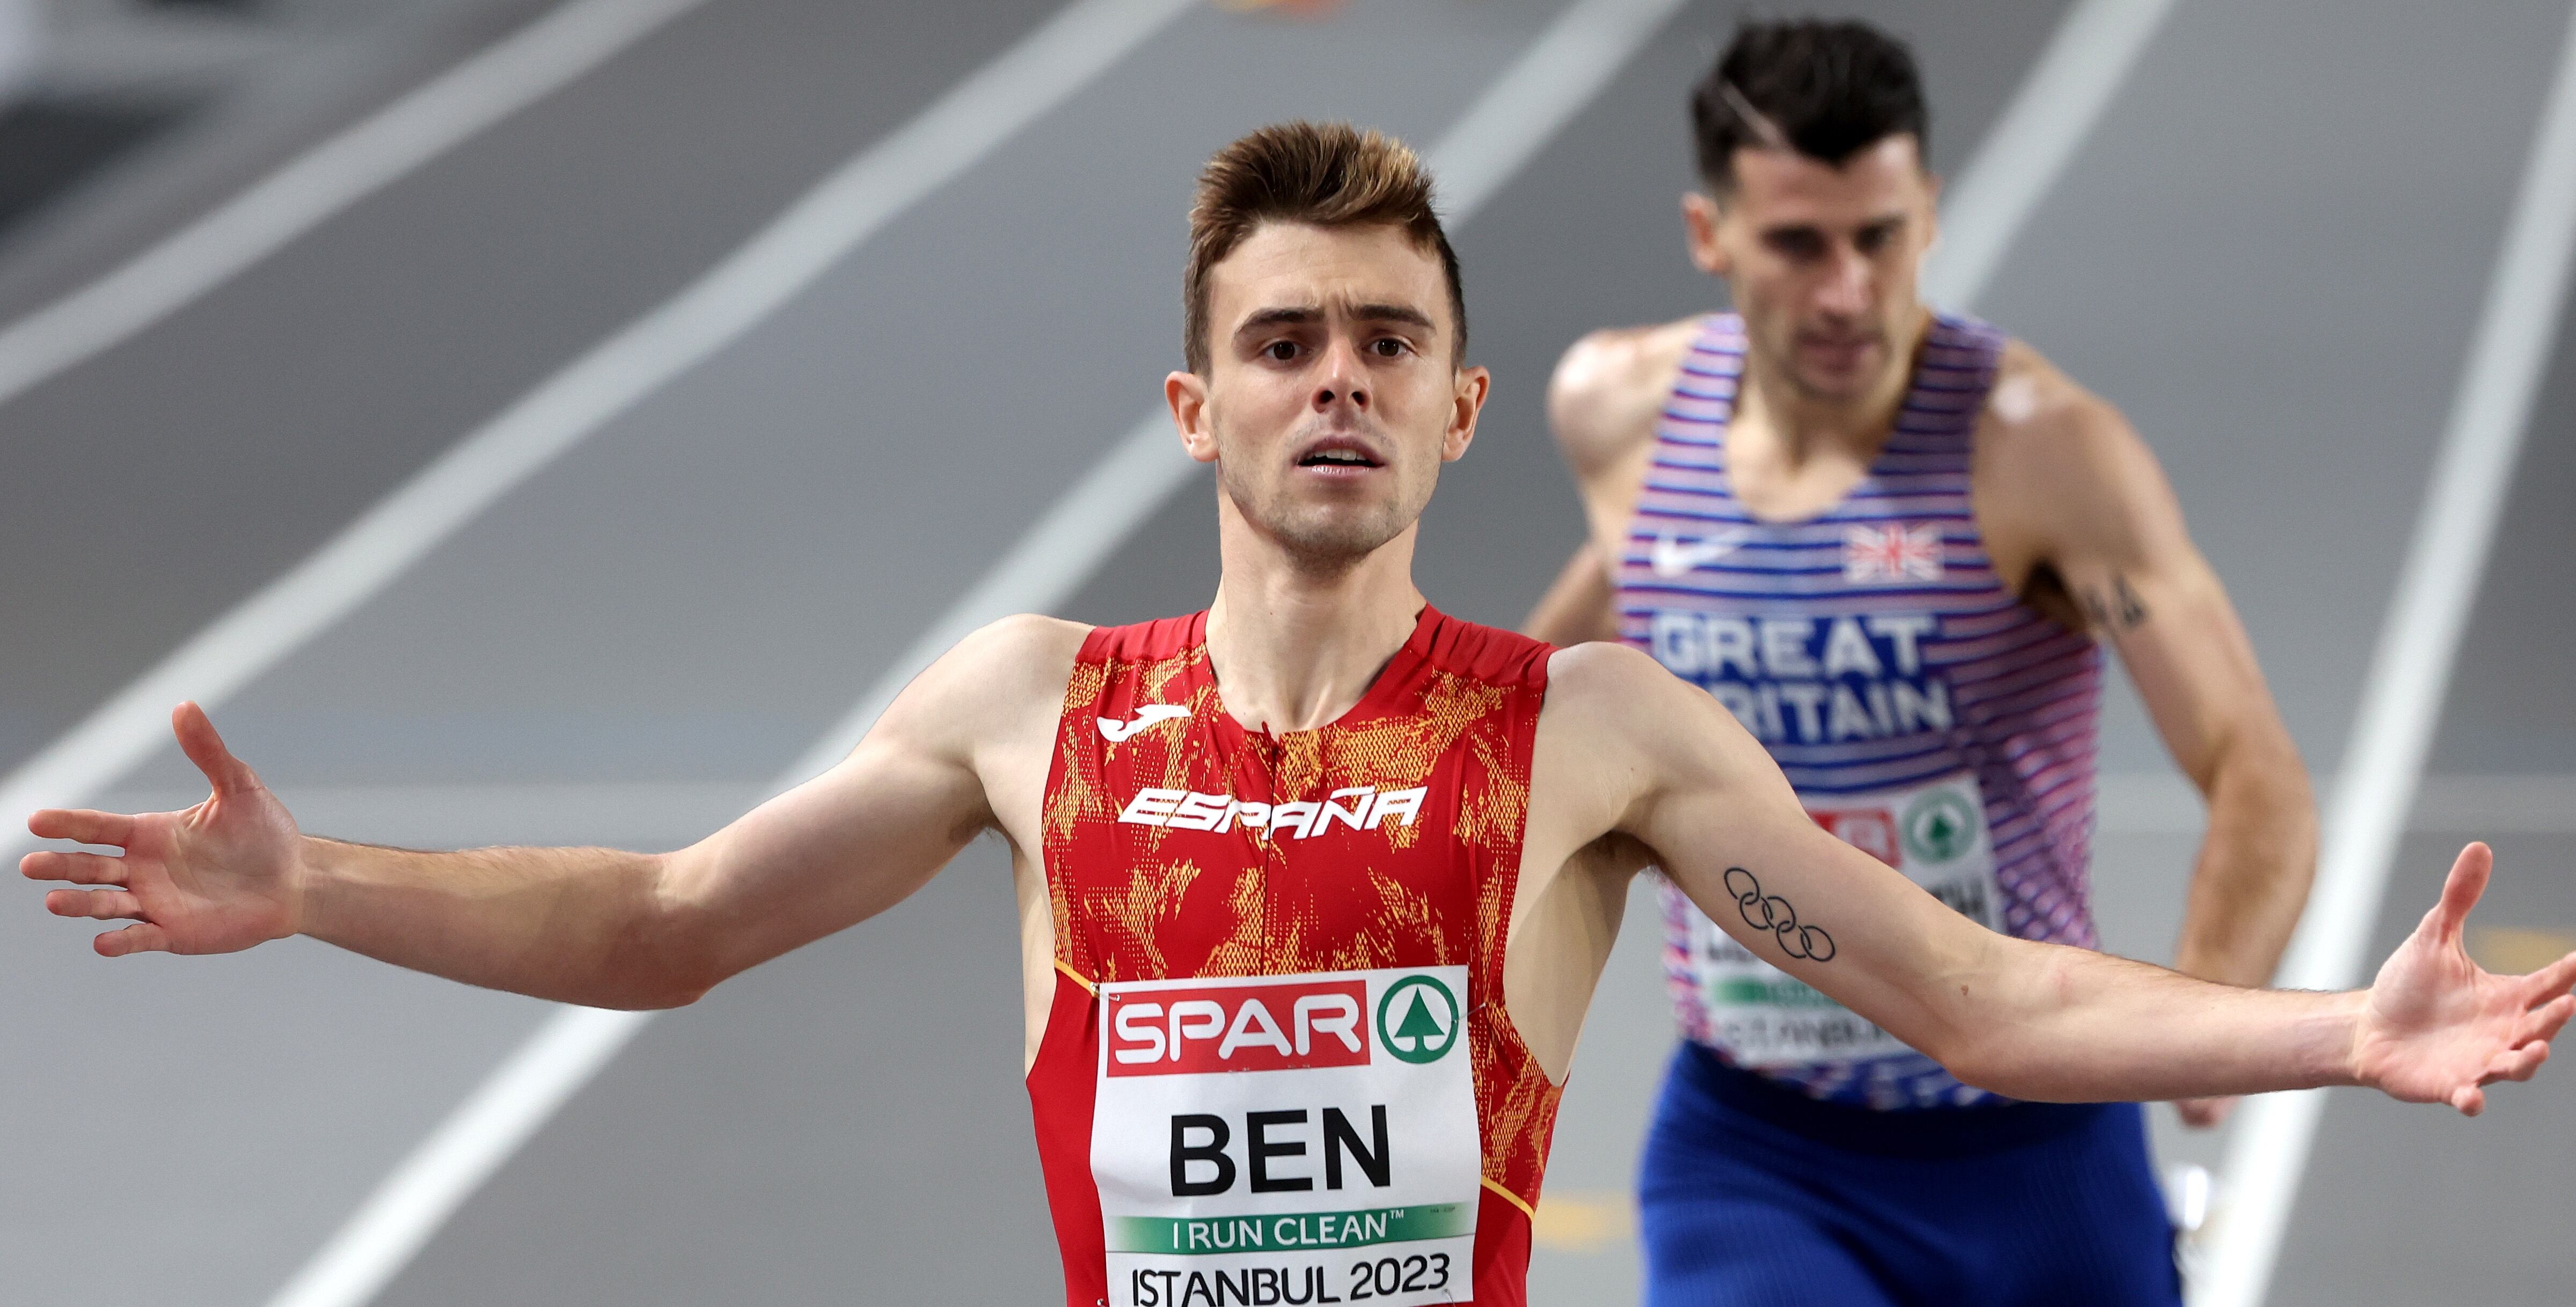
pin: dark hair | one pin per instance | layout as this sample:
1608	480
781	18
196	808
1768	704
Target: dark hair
1826	89
1326	174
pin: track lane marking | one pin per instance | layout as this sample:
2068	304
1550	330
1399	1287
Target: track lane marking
318	185
2410	673
2069	88
850	205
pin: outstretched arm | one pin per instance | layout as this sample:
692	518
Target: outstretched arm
592	926
2035	1021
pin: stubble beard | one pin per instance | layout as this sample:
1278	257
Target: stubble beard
1318	538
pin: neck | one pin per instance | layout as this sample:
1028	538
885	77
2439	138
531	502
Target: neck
1294	646
1806	424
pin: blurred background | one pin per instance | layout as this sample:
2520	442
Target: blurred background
567	421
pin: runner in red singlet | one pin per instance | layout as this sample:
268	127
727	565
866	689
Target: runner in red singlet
1314	886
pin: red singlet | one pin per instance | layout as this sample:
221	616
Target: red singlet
1278	1069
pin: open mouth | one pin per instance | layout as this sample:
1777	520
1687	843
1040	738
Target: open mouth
1338	455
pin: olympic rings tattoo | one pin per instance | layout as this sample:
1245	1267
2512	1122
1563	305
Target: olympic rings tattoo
1773	913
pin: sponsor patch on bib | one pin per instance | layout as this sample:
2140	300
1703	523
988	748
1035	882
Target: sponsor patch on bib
1288	1139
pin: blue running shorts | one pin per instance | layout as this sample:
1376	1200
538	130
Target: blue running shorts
1752	1195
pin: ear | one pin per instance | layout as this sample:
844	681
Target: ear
1473	385
1187	393
1700	219
1931	212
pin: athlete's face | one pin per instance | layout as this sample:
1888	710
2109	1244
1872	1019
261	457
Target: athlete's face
1822	261
1332	395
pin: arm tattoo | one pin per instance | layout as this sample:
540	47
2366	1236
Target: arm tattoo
2123	611
1772	913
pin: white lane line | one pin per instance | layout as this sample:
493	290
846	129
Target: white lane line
2411	672
845	209
2068	90
1491	142
325	180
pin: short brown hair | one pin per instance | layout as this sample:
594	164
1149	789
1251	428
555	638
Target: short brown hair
1326	174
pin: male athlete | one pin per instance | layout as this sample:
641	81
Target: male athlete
1313	886
1886	539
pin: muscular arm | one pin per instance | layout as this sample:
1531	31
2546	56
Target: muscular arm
592	926
1651	757
2076	491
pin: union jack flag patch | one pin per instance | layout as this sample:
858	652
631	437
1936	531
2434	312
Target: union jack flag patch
1894	552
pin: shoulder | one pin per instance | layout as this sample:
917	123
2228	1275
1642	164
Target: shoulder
1602	687
2060	467
995	682
1618	717
2041	429
1609	386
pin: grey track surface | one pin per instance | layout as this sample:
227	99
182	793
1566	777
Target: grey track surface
373	343
2269	255
2385	1178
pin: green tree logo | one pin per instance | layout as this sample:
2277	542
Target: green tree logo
1941	826
1418	1020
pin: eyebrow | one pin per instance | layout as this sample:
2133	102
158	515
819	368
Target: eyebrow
1305	314
1869	224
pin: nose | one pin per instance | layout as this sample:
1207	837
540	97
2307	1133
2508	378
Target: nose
1344	381
1845	291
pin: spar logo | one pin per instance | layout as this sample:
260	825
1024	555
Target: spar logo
1193	1030
1418	1019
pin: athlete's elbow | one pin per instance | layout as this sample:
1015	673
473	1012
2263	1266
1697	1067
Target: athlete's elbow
1973	1023
670	952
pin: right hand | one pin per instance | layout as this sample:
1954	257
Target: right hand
216	878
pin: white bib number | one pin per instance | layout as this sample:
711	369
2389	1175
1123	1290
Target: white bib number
1935	833
1288	1139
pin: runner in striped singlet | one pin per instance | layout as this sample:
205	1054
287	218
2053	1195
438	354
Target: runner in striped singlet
1887	540
1313	887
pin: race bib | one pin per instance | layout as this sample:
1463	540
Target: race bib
1935	833
1288	1139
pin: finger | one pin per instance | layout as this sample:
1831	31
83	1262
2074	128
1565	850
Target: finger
2545	1021
83	824
2521	1064
2460	891
97	905
133	939
198	740
2469	1101
78	868
2552	980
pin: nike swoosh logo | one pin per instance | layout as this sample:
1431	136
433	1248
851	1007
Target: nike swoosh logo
1116	731
1671	557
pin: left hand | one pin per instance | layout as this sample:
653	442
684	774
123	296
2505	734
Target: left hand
2436	1028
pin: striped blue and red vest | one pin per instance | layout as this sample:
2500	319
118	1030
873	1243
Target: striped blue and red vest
1923	712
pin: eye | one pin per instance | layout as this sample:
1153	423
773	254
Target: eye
1797	246
1387	347
1871	240
1280	351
